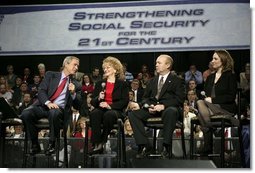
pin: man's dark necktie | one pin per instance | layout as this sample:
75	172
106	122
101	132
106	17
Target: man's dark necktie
59	90
160	85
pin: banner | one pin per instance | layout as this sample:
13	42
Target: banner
143	26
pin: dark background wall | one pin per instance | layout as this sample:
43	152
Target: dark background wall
182	60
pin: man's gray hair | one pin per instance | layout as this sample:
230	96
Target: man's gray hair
68	59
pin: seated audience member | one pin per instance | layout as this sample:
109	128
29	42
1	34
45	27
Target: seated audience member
192	101
192	85
77	152
128	76
164	97
131	99
5	94
41	70
87	84
27	101
33	88
209	71
145	71
18	96
245	86
81	125
3	81
27	76
11	76
74	121
79	76
96	76
16	87
138	91
128	129
194	74
18	132
86	106
187	116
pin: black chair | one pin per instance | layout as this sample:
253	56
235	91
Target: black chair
5	123
221	122
8	117
156	123
121	148
44	124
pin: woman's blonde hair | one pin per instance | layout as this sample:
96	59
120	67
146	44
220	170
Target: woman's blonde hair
116	64
81	120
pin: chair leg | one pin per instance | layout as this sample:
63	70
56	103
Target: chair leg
240	138
222	153
191	144
57	151
2	144
86	140
24	164
154	143
119	145
65	150
183	143
123	144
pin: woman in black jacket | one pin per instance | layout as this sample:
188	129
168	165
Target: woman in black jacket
220	93
110	98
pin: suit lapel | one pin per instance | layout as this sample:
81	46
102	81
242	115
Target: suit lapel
55	81
116	85
155	86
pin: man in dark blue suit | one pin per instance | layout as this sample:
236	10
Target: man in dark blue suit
57	93
164	96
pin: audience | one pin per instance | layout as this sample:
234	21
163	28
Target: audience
20	92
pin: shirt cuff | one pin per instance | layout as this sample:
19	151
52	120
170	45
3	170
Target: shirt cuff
47	102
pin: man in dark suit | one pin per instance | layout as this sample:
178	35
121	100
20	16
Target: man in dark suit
74	121
163	96
138	91
56	95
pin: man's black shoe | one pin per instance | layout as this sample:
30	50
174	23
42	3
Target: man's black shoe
50	149
143	152
205	152
99	149
166	153
35	149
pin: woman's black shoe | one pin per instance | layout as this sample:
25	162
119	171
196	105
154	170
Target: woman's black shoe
97	151
35	149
